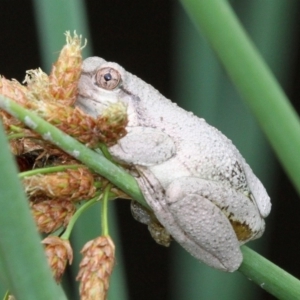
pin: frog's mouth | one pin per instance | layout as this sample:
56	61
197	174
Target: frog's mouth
90	106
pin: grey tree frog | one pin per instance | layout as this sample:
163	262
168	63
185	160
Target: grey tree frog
197	183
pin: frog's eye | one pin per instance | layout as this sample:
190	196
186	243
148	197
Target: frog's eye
108	78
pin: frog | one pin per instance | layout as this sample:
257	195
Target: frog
196	182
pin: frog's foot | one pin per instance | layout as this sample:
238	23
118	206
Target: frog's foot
193	221
143	146
145	216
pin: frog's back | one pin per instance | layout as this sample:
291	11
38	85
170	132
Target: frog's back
202	149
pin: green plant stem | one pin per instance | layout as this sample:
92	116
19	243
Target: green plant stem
87	156
104	214
272	109
98	163
252	78
20	249
269	276
78	213
15	136
47	170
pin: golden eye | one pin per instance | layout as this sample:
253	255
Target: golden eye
108	78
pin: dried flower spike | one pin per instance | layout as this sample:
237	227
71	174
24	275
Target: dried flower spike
66	71
96	268
58	252
49	215
38	86
74	184
112	122
16	91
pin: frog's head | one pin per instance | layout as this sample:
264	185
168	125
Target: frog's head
100	85
104	83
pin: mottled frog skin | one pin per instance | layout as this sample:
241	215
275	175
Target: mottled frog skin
197	183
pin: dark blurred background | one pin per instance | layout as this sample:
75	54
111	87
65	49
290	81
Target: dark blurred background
156	41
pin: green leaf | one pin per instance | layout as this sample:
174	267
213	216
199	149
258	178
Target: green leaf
253	79
23	262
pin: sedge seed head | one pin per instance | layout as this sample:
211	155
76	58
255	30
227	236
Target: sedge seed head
49	215
96	268
58	252
72	184
66	71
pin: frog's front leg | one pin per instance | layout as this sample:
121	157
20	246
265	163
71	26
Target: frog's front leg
193	220
143	146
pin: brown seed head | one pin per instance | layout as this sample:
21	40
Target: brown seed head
66	71
38	86
49	215
74	184
96	268
58	252
16	91
112	123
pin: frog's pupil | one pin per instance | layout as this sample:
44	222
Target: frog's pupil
107	76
